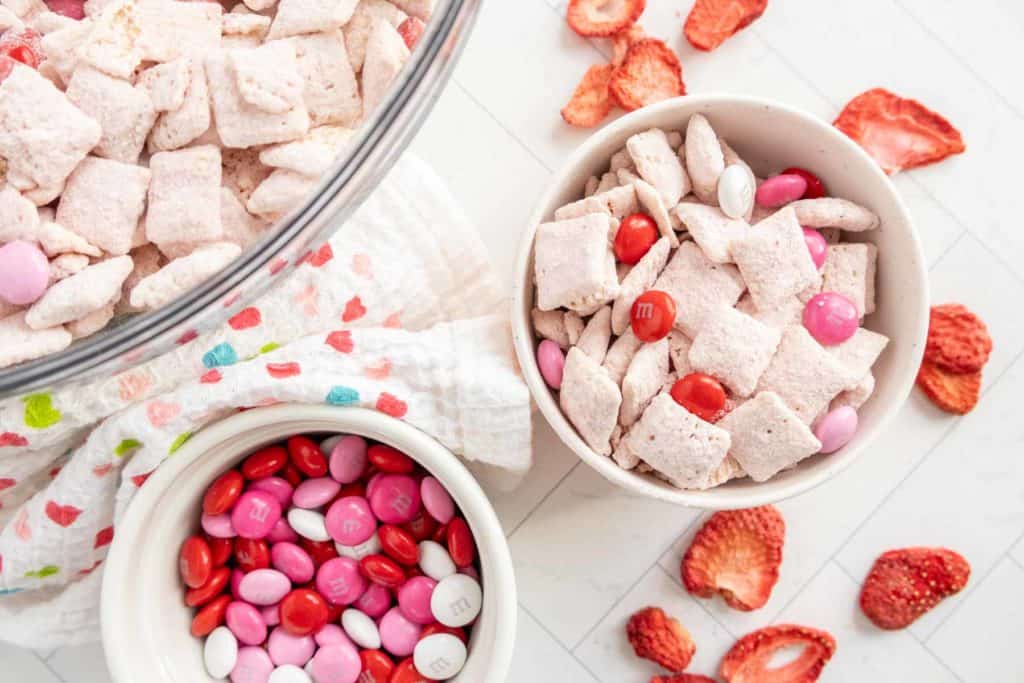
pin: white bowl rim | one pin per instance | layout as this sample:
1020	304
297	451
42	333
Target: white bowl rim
523	337
370	423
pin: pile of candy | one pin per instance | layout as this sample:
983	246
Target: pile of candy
331	563
144	144
700	322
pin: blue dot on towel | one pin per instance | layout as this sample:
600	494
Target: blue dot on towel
220	355
342	396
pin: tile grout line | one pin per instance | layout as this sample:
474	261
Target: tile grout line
541	501
557	640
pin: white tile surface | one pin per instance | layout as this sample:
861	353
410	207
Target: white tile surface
588	555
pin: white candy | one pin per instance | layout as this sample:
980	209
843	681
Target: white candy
435	561
456	600
308	524
440	656
220	652
289	673
370	546
361	629
328	444
735	193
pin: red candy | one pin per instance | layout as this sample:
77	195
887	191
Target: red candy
195	562
635	237
815	188
407	673
320	551
460	543
265	462
307	457
701	394
210	617
291	474
387	459
653	315
377	667
438	627
197	597
382	570
220	549
223	492
252	554
422	526
303	612
399	544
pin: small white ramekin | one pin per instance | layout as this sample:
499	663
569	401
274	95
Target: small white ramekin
769	136
145	622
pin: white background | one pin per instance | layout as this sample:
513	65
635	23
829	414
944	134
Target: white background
588	555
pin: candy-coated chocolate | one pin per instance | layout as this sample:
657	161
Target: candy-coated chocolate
220	652
361	629
289	673
350	521
370	546
383	570
218	526
399	544
348	459
265	462
306	456
652	315
252	554
221	550
781	190
390	460
255	514
331	634
831	318
210	616
414	599
285	648
223	492
264	587
377	666
195	561
551	363
440	656
340	581
815	188
436	499
24	273
214	586
282	532
735	191
236	580
406	672
278	487
701	394
246	622
314	493
636	235
308	524
375	602
461	547
438	627
328	444
398	635
290	473
395	499
457	600
293	561
271	614
320	551
253	666
817	246
336	664
435	560
422	526
836	428
303	612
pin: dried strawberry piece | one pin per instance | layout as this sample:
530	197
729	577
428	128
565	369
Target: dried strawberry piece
603	18
712	22
899	133
958	340
591	102
749	660
411	31
904	584
623	40
736	554
682	678
650	73
22	46
955	393
657	637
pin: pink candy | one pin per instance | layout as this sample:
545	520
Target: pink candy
395	499
398	635
264	587
336	664
282	531
350	521
551	363
271	615
246	622
831	318
817	245
348	459
836	429
218	526
255	514
277	487
414	599
436	500
780	190
314	493
293	561
331	634
339	581
375	602
284	648
24	273
253	666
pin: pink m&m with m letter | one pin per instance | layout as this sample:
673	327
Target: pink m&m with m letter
831	318
24	273
255	514
350	521
395	498
340	581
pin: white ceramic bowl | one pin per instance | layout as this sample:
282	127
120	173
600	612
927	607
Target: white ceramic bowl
769	136
144	620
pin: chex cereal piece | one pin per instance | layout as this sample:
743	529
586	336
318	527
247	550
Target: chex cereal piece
238	225
850	270
644	378
178	127
243	29
146	260
774	260
833	212
655	208
9	20
124	112
112	46
729	469
596	335
45	136
182	274
732	158
243	171
166	84
331	92
550	325
239	123
55	239
768	437
421	9
804	374
66	265
620	160
268	76
618	202
19	218
859	352
609	181
591	186
311	155
295	17
61	47
573	327
676	443
698	286
386	54
789	312
103	201
658	164
735	348
857	395
573	265
711	229
623	457
638	281
358	29
281	192
74	297
620	354
19	342
168	30
679	353
590	399
184	197
91	323
704	159
627	176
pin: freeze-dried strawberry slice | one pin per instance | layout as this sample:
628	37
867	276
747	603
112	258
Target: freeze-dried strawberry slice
411	31
660	638
904	584
650	73
603	18
749	660
953	392
899	133
958	340
682	678
591	102
712	22
622	41
736	554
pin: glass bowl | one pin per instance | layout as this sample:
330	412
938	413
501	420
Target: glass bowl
371	153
